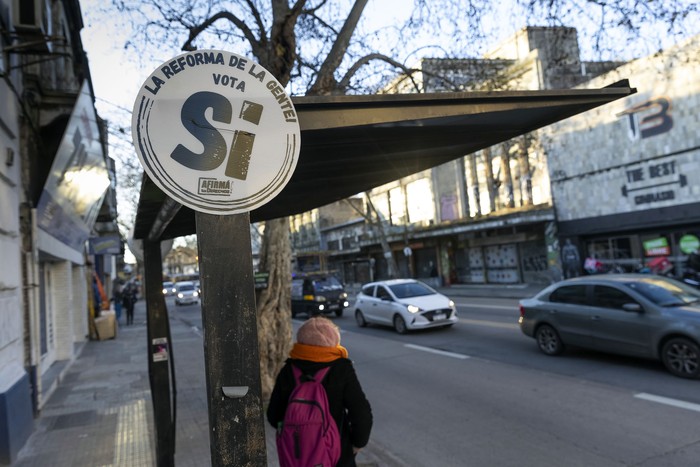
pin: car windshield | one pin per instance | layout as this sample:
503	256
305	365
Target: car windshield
327	283
185	288
411	289
167	284
665	292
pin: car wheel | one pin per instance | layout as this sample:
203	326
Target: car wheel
548	340
400	324
339	313
360	318
681	357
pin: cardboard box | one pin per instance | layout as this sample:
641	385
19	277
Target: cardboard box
106	326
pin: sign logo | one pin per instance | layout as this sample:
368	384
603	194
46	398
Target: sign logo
650	118
216	132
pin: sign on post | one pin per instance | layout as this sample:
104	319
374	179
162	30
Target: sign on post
217	133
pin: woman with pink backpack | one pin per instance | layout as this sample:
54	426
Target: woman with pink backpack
316	381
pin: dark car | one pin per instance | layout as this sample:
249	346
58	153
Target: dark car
640	315
318	294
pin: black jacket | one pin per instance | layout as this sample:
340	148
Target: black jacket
346	400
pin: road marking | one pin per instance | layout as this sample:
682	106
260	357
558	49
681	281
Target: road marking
668	401
436	351
493	324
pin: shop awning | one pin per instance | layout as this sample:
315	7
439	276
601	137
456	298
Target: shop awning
350	144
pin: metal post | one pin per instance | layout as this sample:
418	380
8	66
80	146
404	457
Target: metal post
159	355
236	426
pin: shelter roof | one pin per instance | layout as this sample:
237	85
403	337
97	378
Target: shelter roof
350	144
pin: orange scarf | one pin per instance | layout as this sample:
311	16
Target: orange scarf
315	353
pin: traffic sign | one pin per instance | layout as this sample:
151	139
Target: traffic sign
216	132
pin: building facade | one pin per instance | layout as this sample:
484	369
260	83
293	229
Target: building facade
58	235
532	209
626	177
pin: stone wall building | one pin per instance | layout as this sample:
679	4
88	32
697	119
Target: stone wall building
626	177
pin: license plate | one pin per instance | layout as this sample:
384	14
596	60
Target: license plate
439	316
335	306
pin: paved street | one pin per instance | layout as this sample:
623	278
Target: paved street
478	394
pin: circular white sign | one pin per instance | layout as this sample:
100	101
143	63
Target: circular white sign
216	132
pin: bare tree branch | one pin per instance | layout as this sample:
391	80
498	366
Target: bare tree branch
325	81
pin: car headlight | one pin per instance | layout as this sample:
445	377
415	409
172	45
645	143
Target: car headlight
165	291
452	304
195	294
413	309
321	307
320	298
343	295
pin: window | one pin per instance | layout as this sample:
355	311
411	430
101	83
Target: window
411	289
610	297
420	201
397	201
368	290
575	294
665	292
382	293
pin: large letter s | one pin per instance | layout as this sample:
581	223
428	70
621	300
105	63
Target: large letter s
193	120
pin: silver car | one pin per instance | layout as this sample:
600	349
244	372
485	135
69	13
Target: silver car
405	304
632	314
186	293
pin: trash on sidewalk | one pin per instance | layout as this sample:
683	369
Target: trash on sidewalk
106	325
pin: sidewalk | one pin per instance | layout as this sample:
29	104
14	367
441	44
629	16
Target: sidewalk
492	290
101	412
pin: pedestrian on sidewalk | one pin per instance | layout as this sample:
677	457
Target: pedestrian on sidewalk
117	299
129	300
317	347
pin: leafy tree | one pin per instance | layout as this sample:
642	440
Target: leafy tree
323	47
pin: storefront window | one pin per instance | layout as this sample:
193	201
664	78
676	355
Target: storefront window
397	200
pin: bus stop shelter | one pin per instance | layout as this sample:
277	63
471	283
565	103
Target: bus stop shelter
349	144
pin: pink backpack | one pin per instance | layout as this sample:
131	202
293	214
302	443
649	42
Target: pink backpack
309	436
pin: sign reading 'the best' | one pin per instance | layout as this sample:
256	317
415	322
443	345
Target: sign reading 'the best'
216	132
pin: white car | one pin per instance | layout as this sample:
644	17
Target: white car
405	304
186	293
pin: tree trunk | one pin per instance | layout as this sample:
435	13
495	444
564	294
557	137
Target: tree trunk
507	177
490	182
377	222
475	183
274	303
525	177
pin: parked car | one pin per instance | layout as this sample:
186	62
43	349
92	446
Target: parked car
186	293
318	294
405	304
169	289
641	315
